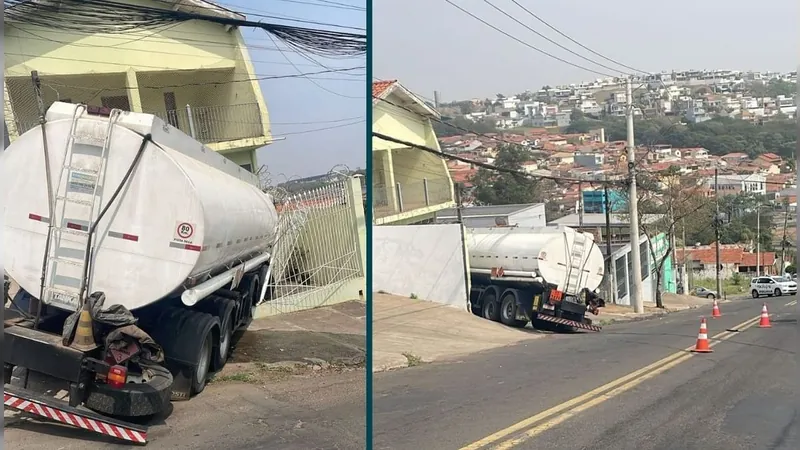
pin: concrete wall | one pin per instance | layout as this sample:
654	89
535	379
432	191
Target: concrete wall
424	260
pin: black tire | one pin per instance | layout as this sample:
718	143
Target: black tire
225	310
777	292
754	293
202	370
187	337
711	296
250	290
490	309
508	312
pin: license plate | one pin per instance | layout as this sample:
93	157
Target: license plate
548	306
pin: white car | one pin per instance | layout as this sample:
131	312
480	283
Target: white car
772	286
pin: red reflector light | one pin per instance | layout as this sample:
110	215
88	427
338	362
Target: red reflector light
130	237
195	248
117	377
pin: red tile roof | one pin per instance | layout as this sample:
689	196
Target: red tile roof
378	87
727	255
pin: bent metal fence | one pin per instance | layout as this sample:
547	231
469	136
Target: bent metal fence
318	258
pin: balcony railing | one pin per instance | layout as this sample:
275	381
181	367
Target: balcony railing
411	196
207	124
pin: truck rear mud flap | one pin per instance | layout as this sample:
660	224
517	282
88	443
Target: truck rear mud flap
53	409
570	323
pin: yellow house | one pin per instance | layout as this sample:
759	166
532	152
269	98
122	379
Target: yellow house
408	185
196	75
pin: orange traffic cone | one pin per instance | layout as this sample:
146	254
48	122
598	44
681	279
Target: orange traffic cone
764	318
702	345
715	312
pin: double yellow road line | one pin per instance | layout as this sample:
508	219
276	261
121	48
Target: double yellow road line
552	417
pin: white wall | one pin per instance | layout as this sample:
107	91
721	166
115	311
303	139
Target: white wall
424	260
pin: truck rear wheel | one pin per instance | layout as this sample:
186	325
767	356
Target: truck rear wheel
490	309
508	311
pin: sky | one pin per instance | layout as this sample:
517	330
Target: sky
429	45
297	106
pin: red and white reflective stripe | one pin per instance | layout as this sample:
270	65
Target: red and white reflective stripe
75	420
571	323
77	226
702	335
194	248
38	218
124	236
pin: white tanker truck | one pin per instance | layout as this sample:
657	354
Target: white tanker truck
544	275
172	233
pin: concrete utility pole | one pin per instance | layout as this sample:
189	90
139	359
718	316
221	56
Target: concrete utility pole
758	239
716	229
464	254
636	262
783	241
611	291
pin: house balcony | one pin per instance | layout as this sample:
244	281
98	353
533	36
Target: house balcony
212	106
409	186
216	124
410	199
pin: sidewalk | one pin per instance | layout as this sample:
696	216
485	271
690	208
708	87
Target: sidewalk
408	332
324	339
672	303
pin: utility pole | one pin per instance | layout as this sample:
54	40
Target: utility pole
580	204
673	239
716	228
758	239
783	241
464	255
684	265
636	262
611	291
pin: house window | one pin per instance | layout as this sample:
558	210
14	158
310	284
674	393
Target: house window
644	257
247	167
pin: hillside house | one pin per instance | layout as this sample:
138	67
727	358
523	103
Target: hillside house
206	86
408	185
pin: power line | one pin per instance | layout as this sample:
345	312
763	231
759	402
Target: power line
574	41
526	43
269	15
257	78
104	16
322	4
314	130
487	165
314	82
69	44
547	38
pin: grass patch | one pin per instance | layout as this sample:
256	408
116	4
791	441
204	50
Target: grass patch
413	360
239	377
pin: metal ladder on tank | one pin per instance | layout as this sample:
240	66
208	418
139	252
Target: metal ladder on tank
575	269
57	264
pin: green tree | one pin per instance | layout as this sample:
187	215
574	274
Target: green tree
500	188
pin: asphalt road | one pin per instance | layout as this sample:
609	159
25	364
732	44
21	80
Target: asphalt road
744	395
318	412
